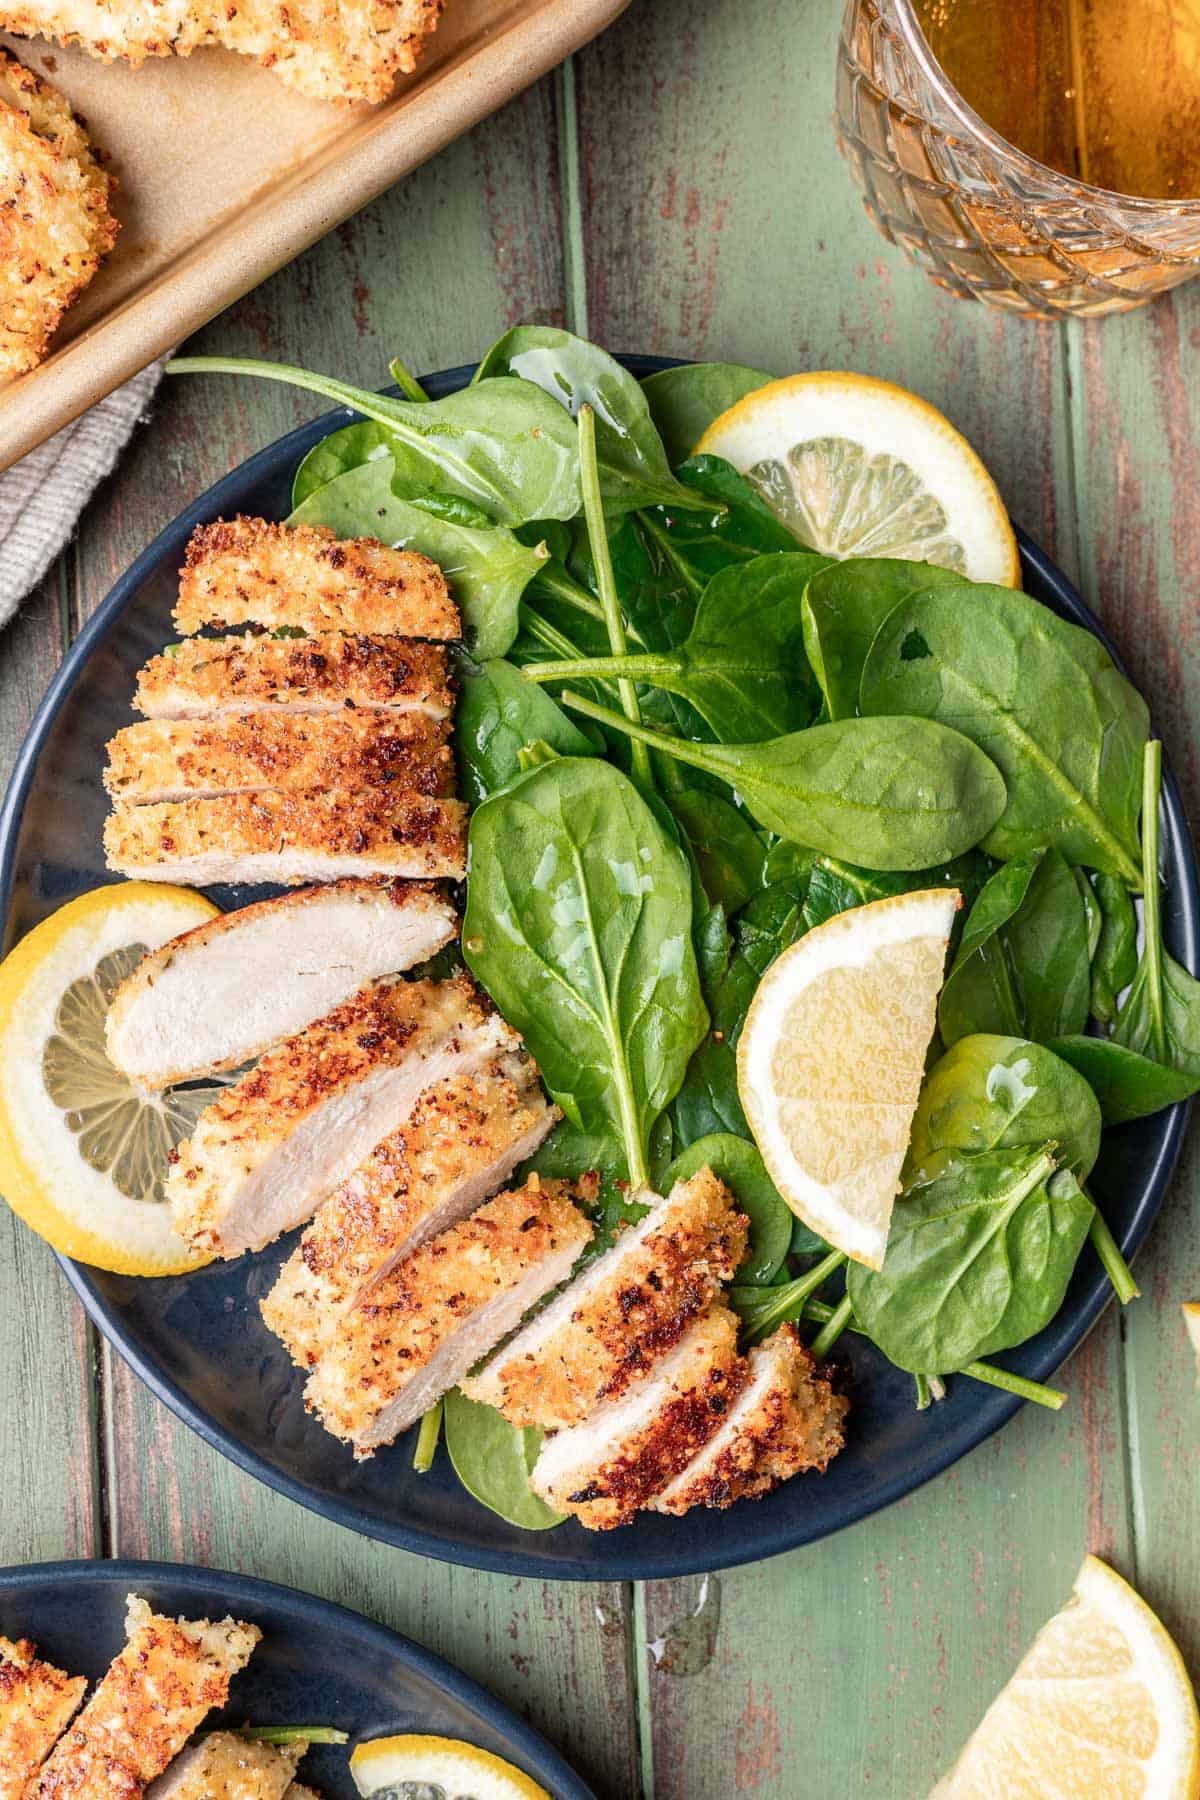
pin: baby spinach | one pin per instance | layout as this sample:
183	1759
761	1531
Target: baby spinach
735	525
487	570
844	606
1002	1093
978	1260
578	924
337	454
634	470
1160	1015
738	1164
835	886
494	1460
763	1309
1115	961
500	714
884	792
729	852
1041	697
684	401
1127	1085
510	449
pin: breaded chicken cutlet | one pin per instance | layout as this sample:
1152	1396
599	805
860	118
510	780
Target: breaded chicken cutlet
211	678
225	1766
37	1703
55	222
344	50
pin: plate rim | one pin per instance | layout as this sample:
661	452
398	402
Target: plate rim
260	1592
1039	1359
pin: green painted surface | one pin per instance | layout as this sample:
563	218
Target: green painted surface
678	190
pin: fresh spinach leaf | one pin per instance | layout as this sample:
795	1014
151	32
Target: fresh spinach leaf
693	546
685	401
578	924
788	862
835	886
738	1164
499	714
844	606
1115	962
337	454
510	449
1002	1093
978	1260
1041	697
1127	1085
888	793
494	1461
634	470
729	852
487	571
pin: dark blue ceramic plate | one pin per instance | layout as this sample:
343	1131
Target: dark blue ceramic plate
317	1664
198	1341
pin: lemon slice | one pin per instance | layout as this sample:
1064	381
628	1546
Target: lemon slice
414	1768
859	467
1101	1704
82	1151
831	1057
1191	1318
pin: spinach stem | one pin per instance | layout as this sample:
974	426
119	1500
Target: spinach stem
783	1303
839	1318
1115	1266
663	539
555	581
636	668
1151	902
427	1439
593	512
921	1383
680	748
986	1372
405	380
555	640
288	1734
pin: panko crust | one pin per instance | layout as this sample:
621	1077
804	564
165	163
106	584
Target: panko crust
327	673
55	219
37	1703
248	571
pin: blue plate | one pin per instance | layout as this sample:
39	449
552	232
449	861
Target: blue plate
198	1341
317	1664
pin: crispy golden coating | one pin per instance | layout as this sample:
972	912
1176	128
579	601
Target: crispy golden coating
440	1309
291	1129
168	1677
344	50
289	838
785	1420
207	677
172	759
633	1304
55	223
248	572
627	1450
37	1703
225	1766
464	1137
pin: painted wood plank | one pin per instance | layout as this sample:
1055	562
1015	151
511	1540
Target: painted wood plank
48	1501
435	270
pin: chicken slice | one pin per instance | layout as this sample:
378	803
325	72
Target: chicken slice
37	1703
628	1449
221	994
211	677
441	1309
786	1419
634	1303
298	1791
461	1142
270	1147
248	572
173	759
224	1766
168	1677
289	838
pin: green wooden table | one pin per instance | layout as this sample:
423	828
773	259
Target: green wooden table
677	190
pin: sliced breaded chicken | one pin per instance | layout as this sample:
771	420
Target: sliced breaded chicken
786	1419
37	1703
274	1144
220	995
224	1766
343	50
461	1142
298	1791
333	672
248	572
604	1470
634	1303
173	759
55	223
422	1327
289	838
169	1676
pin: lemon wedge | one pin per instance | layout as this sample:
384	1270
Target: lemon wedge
82	1151
855	466
1101	1704
438	1765
831	1057
1191	1318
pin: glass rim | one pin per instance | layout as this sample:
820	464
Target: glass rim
918	45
